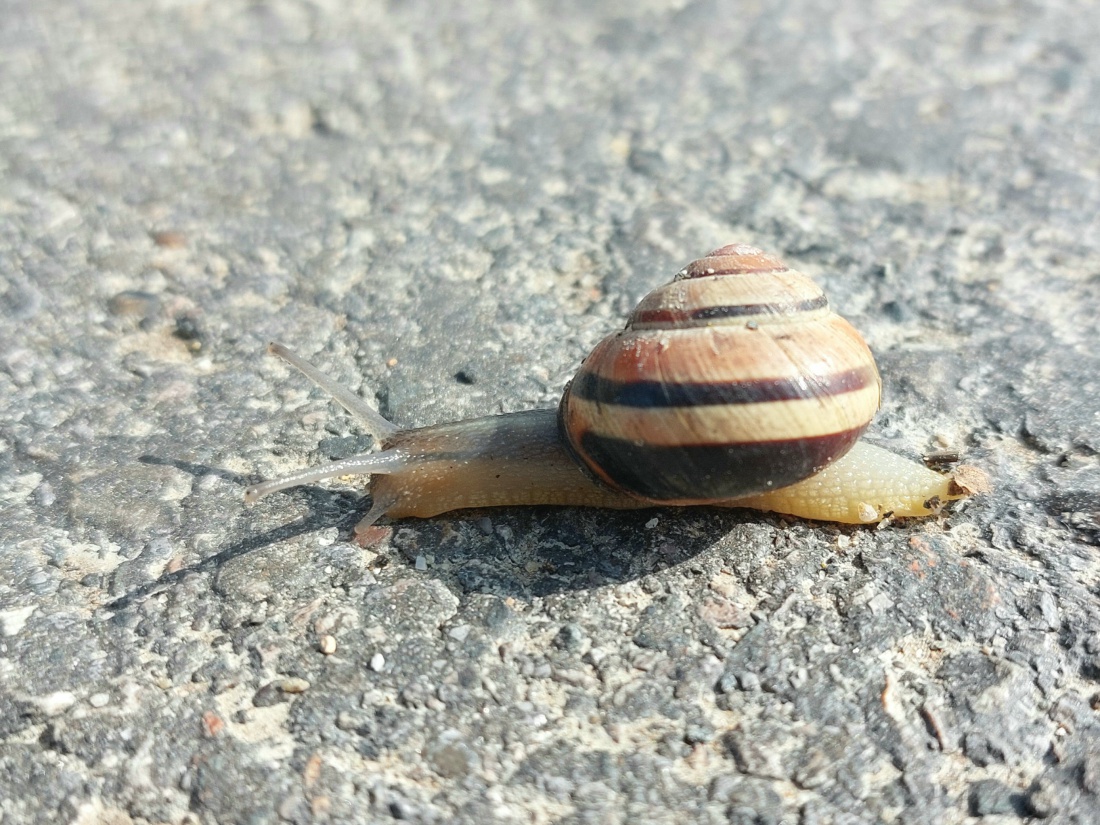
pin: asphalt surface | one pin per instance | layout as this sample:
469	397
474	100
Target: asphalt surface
446	207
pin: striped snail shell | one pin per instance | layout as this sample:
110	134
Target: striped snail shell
734	379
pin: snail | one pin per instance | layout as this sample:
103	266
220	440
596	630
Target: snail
735	384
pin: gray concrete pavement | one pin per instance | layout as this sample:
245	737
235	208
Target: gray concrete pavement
446	208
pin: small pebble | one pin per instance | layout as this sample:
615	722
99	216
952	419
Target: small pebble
293	685
327	644
421	563
44	494
377	662
207	481
649	525
99	700
188	330
595	656
459	633
212	723
169	238
132	302
57	702
12	621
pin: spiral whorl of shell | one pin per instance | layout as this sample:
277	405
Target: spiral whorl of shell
734	379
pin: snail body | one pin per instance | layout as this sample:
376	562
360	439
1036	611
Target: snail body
733	385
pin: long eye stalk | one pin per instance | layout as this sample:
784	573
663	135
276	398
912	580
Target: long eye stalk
377	426
387	461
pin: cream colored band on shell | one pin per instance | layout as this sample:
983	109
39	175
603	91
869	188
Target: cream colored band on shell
730	423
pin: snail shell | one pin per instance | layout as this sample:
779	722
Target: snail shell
733	380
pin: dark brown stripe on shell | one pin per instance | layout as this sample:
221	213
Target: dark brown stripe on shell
649	394
703	269
711	472
760	309
668	316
